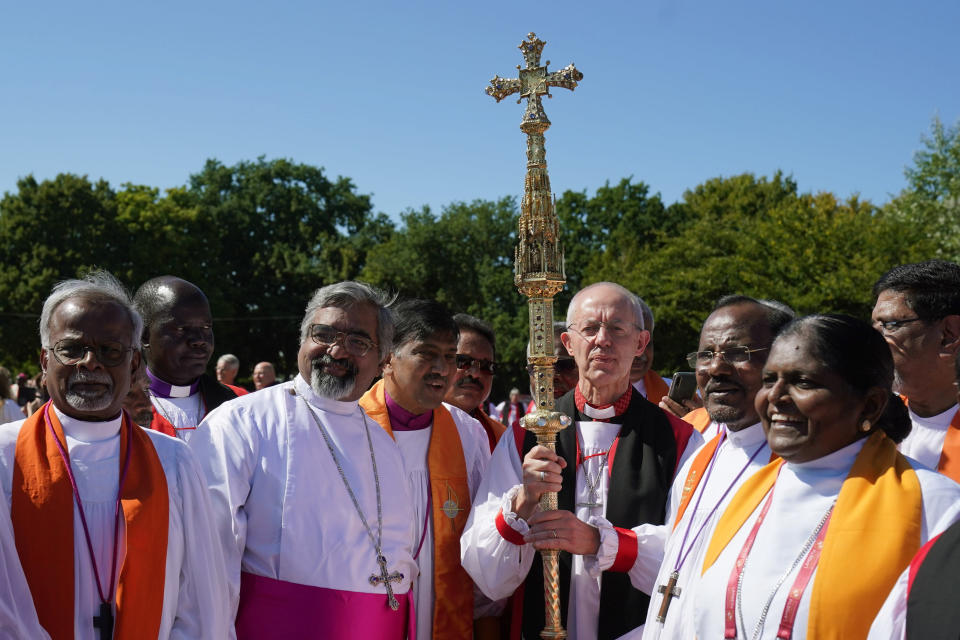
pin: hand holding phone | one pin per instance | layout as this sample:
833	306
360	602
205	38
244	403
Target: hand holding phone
683	386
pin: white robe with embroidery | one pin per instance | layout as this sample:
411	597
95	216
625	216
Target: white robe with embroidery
280	504
195	587
804	492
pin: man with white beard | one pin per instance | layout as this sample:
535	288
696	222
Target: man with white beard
112	522
310	494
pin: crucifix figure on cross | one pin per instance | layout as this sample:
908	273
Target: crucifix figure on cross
669	591
534	81
386	578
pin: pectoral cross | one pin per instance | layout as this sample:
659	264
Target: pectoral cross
386	578
669	591
104	621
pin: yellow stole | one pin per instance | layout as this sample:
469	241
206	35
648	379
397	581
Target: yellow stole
656	387
699	418
42	513
874	532
450	492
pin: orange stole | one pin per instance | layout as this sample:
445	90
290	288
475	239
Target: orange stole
697	468
874	532
699	418
949	464
452	586
494	428
655	386
42	513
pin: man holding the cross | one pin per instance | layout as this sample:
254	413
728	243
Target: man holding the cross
112	522
613	469
309	493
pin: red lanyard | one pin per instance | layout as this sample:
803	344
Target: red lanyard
609	453
792	605
125	423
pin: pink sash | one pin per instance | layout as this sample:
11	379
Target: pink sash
276	609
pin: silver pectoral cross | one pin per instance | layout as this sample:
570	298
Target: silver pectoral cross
669	591
386	578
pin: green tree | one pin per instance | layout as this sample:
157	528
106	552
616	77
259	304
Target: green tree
932	199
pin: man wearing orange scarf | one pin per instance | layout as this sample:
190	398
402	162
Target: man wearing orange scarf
445	453
112	522
917	310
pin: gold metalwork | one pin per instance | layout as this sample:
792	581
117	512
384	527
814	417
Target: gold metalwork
539	274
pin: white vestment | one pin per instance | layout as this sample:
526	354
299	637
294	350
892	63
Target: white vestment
18	618
195	588
183	413
498	567
924	443
803	494
414	448
280	504
691	535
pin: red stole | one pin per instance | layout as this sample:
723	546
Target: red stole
452	586
42	509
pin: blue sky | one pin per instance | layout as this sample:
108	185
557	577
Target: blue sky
390	94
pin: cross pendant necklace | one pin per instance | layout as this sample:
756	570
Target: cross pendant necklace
593	486
669	591
384	577
104	621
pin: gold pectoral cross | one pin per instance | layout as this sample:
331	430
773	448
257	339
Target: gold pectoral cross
386	578
669	591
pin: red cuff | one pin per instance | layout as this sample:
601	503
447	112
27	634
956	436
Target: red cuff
626	550
515	537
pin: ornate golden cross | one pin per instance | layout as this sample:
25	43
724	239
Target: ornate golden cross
534	81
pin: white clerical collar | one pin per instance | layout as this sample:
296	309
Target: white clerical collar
599	414
838	460
747	437
940	421
326	404
88	431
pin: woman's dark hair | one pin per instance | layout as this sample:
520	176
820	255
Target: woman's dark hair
856	352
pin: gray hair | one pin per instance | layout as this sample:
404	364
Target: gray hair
647	314
632	299
96	286
349	293
229	361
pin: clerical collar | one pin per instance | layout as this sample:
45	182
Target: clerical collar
604	411
163	389
403	420
87	430
746	438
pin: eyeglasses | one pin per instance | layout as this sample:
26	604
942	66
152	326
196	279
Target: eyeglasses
69	352
733	355
889	326
615	330
465	362
356	344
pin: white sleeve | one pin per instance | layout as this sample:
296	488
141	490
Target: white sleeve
203	605
228	453
651	539
891	620
496	565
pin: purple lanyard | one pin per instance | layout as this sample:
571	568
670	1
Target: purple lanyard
683	554
83	519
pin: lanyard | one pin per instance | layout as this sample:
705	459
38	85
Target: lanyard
812	551
125	422
703	483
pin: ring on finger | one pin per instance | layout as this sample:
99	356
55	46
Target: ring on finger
541	476
555	533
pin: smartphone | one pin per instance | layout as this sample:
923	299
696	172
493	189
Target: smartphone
683	386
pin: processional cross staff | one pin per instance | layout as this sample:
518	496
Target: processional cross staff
539	275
